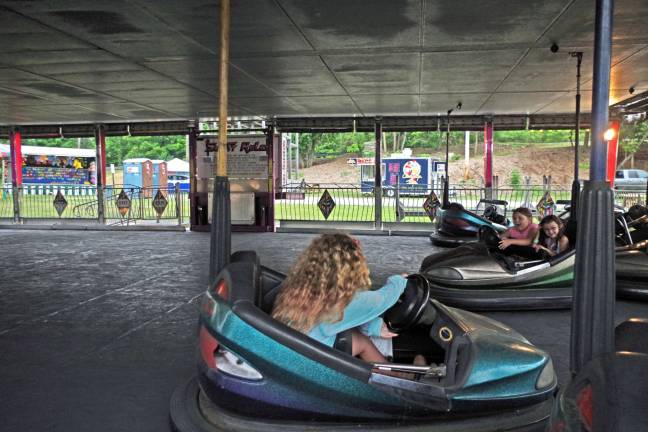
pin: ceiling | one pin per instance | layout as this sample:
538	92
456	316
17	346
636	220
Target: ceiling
84	61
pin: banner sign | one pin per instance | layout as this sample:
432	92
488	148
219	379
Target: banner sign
246	157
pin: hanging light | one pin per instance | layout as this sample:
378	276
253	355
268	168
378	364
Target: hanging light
609	134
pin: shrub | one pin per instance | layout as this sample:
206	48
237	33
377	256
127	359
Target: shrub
516	179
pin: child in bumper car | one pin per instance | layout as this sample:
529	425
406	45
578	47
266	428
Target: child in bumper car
327	292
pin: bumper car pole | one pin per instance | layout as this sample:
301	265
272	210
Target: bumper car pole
575	192
592	331
220	239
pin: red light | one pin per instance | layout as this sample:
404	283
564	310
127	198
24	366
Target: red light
208	344
585	402
221	289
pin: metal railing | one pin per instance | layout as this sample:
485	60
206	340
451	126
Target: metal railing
299	202
81	203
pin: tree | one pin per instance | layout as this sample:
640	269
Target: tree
632	137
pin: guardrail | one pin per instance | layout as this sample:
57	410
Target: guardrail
299	202
72	202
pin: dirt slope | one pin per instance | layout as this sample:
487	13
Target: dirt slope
531	161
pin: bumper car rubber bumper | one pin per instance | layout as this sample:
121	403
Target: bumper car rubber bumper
444	240
503	299
191	411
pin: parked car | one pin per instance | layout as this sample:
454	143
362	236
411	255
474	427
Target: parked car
634	179
180	179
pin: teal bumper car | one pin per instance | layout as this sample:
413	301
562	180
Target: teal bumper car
256	374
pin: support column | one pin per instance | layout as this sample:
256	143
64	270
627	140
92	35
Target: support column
488	158
221	227
378	174
612	150
269	220
575	192
592	326
15	150
100	146
193	196
466	154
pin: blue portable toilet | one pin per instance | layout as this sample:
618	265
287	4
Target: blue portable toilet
160	177
138	172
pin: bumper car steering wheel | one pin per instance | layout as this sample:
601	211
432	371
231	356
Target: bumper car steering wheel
413	307
489	237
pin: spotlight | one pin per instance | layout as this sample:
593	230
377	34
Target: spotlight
459	105
609	134
554	47
631	90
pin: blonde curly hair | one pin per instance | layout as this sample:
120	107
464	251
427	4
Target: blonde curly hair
322	282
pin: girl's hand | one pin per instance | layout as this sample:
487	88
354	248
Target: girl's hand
537	247
385	333
504	244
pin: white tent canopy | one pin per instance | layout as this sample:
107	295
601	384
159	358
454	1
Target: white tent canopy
177	165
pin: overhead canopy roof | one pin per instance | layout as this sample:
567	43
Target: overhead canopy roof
85	61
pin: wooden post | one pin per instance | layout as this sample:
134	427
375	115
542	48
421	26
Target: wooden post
220	244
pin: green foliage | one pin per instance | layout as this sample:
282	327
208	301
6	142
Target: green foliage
84	143
516	179
124	147
455	157
633	136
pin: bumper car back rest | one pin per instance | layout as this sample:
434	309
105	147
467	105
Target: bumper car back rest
302	343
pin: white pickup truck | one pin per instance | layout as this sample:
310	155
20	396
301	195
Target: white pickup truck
631	179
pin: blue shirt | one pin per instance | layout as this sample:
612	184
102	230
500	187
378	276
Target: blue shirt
365	310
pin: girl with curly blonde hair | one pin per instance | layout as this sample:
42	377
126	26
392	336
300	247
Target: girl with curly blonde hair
327	292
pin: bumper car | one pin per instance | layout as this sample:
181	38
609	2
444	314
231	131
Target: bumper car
456	226
480	277
608	394
632	226
256	374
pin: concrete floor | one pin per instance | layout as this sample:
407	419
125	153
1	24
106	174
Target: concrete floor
97	328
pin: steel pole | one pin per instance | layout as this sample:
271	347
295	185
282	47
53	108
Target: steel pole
446	181
575	192
592	331
220	239
378	175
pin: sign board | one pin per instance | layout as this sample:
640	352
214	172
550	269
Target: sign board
112	168
60	203
132	169
546	205
160	203
246	157
431	205
123	203
361	161
326	204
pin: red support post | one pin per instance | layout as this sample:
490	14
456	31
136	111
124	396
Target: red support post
102	153
15	149
488	154
613	151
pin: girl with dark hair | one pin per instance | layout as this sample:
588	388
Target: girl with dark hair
552	238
